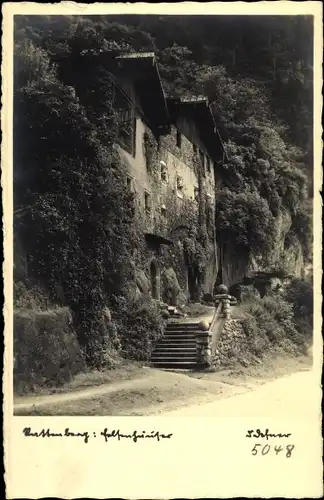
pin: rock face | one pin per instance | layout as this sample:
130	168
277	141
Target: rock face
170	286
285	255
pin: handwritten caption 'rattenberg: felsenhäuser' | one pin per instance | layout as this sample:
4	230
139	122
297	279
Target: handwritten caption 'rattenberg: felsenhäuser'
134	436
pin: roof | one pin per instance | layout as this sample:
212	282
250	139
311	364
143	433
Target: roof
198	109
143	69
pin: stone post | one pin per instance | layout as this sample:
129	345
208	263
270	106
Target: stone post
226	307
204	345
225	299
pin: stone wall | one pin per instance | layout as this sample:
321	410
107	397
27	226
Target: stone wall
203	349
157	169
232	346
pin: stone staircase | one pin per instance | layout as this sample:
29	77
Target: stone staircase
177	348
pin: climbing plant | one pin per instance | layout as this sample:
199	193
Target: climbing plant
71	188
149	150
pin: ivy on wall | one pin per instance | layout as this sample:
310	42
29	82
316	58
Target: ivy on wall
150	150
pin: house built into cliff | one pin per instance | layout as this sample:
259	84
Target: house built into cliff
171	149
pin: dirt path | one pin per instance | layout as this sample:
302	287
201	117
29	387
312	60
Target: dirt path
158	392
155	376
294	395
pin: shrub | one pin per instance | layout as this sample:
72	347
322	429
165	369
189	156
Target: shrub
270	321
299	294
257	340
46	350
29	297
249	293
139	324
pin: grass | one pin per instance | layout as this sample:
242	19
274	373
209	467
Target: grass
197	309
273	365
127	370
127	402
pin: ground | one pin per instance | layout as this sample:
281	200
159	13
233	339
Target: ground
139	390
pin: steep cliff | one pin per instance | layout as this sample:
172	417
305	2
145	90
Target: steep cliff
285	255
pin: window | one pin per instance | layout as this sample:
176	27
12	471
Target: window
129	183
164	171
178	139
163	210
147	202
179	186
126	122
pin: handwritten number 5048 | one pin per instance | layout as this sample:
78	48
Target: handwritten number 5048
277	449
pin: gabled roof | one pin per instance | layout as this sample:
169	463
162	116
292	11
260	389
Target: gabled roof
199	110
143	69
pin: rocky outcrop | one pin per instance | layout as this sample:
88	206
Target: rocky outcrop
286	255
170	286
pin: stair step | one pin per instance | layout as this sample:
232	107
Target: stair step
182	326
181	332
174	357
181	323
179	338
177	348
168	348
173	347
172	354
191	338
174	364
191	333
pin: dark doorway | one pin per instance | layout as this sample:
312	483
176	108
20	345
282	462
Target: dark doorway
154	272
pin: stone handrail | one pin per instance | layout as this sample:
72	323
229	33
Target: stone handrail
216	325
207	338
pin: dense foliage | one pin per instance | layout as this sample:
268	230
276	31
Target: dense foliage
71	184
269	323
139	325
300	294
46	349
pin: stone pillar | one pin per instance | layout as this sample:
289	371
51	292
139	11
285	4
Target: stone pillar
225	299
204	346
226	307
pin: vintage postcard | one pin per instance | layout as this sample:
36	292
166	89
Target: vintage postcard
161	176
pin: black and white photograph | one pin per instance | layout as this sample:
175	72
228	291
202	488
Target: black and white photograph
163	186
